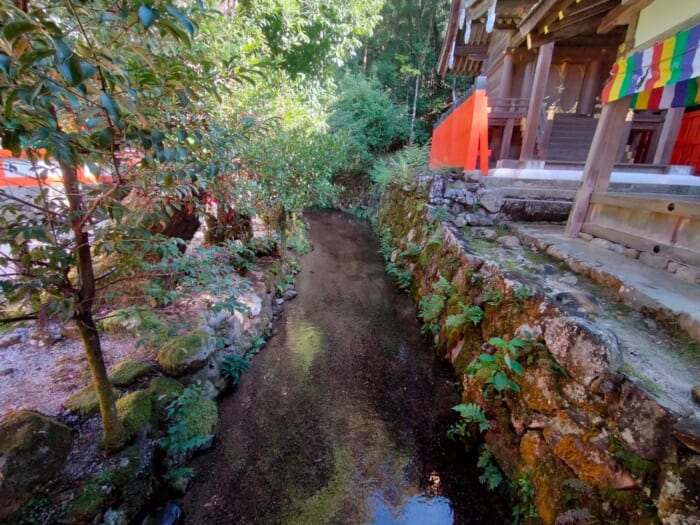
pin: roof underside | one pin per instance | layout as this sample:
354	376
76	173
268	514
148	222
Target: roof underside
533	23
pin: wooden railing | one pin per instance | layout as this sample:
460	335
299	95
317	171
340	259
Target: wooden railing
508	107
460	137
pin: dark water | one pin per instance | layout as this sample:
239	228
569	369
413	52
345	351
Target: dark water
342	417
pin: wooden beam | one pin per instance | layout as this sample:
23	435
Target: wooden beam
577	16
534	110
557	14
535	16
622	15
668	135
535	40
676	253
475	52
600	161
678	205
451	34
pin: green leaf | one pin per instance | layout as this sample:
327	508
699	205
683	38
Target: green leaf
5	63
147	16
517	368
181	17
500	381
498	342
110	105
63	51
12	30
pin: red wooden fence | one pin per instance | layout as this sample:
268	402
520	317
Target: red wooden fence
462	137
687	149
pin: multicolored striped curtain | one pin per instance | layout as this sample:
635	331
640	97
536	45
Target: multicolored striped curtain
665	75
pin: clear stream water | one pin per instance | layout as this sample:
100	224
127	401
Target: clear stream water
342	417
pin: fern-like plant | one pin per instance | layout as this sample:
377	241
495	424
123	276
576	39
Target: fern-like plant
473	314
469	413
491	475
403	278
233	366
429	309
443	287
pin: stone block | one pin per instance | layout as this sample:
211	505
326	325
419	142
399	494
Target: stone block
672	267
617	248
592	464
588	353
585	236
632	253
642	423
472	175
509	241
601	243
491	202
655	261
437	190
688	273
687	431
678	499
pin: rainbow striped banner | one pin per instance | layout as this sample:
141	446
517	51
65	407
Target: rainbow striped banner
662	76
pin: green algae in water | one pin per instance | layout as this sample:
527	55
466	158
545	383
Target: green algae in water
327	501
304	341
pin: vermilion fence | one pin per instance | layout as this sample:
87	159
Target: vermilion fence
460	138
687	149
22	172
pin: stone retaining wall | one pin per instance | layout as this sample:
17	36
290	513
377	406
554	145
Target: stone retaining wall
595	445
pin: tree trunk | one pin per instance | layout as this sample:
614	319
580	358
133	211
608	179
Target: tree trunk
113	438
413	111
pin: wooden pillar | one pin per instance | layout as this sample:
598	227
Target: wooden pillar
599	164
669	134
526	88
590	88
507	139
506	76
534	110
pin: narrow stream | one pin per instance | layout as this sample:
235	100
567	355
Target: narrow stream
342	418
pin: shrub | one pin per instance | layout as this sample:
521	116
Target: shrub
372	123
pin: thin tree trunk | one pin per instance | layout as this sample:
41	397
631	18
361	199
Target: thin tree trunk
413	111
112	427
364	59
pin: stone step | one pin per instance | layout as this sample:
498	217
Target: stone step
538	193
535	210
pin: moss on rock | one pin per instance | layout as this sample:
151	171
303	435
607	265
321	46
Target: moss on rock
33	448
163	391
184	353
87	505
84	401
127	371
134	411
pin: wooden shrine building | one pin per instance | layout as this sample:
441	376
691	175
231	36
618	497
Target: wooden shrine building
545	64
593	83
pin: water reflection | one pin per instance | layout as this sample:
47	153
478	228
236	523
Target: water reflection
416	510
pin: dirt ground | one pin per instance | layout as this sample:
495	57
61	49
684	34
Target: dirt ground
41	374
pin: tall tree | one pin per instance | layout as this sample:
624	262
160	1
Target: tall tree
402	55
